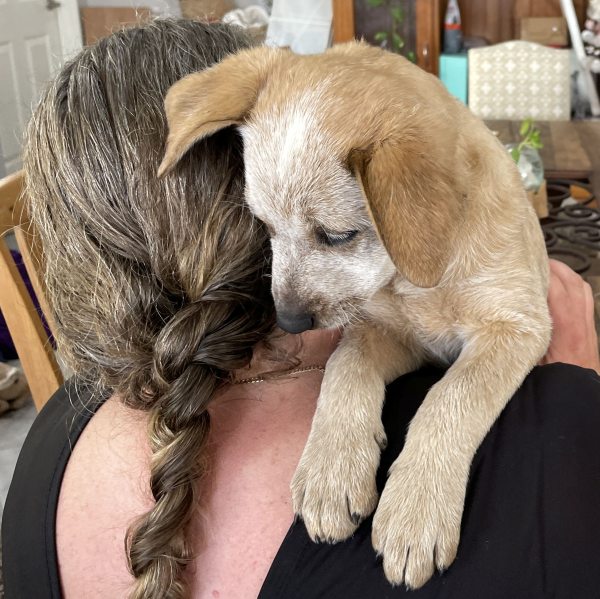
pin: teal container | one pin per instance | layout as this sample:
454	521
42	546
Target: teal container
454	74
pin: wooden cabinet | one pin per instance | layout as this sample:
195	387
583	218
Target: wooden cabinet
499	20
428	27
420	28
495	20
343	21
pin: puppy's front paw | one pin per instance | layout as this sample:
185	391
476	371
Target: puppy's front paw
334	488
417	523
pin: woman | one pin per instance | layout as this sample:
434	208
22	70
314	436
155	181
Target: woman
160	290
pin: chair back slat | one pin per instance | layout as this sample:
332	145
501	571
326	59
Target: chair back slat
31	252
22	319
11	192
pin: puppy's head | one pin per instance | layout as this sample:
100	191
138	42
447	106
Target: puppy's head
347	163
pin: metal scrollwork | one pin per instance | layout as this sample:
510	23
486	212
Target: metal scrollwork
569	229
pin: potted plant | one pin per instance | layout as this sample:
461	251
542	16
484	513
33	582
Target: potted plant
526	156
391	39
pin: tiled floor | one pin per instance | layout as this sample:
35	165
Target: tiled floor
14	427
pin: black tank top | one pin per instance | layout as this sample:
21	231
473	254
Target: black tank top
531	526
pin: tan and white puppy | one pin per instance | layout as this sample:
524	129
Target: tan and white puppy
396	213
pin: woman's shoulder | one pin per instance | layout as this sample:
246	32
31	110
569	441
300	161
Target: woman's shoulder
531	522
564	388
558	392
557	406
28	529
81	479
104	489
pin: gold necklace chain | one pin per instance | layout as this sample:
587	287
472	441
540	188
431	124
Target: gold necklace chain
262	379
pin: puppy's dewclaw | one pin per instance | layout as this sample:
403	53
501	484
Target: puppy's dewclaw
395	213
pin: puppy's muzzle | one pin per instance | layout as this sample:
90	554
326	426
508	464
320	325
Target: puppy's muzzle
295	321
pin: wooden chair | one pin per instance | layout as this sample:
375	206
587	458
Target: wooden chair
519	80
27	331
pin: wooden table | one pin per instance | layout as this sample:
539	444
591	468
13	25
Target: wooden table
571	148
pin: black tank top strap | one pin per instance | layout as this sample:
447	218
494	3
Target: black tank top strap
30	565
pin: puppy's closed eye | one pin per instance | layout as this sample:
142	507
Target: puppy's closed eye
331	239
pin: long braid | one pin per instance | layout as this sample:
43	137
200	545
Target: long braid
214	334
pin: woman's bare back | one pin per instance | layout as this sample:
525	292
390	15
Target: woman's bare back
258	433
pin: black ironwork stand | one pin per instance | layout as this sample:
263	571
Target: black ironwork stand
568	230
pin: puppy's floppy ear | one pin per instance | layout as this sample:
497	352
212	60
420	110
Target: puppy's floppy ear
203	103
415	202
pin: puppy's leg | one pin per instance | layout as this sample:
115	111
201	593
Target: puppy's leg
417	523
334	485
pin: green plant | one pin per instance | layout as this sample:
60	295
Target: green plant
392	37
531	139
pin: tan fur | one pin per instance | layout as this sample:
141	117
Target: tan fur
448	264
191	118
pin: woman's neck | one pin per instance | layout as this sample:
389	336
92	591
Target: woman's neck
238	403
312	348
258	432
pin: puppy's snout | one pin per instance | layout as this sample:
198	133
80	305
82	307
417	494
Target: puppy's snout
294	320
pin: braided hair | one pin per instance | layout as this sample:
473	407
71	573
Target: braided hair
159	288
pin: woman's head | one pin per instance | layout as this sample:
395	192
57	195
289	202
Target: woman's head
158	287
127	252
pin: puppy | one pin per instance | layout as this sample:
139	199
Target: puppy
395	213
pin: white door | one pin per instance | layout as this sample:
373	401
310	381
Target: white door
36	36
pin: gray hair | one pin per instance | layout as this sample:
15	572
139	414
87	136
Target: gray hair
159	288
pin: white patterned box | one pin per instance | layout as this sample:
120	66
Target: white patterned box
519	80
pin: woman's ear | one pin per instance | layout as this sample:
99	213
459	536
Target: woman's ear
416	203
203	103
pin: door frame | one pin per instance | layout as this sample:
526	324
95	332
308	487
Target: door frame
69	27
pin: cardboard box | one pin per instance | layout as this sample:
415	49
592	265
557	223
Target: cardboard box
100	21
205	10
548	31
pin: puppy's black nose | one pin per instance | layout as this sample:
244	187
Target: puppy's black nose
295	322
